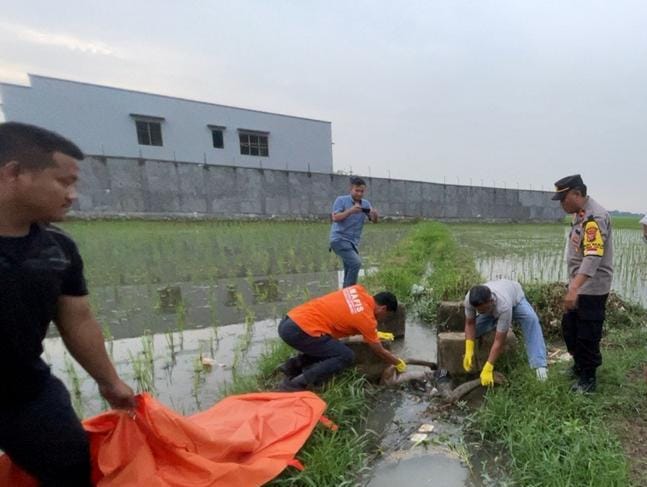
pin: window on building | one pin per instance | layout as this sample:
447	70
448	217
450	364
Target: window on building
149	130
254	143
217	136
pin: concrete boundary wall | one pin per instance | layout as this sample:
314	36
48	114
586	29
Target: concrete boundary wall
113	186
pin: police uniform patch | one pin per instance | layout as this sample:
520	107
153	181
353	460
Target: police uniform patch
592	242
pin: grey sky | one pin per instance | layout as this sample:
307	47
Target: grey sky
513	92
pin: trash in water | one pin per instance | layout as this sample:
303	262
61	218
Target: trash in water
207	361
418	437
426	428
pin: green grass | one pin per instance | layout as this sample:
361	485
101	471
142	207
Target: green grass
427	256
551	437
628	222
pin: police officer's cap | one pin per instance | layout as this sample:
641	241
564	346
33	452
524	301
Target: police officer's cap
565	184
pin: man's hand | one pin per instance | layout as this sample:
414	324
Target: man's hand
356	208
487	375
401	366
468	359
373	215
570	300
118	394
386	336
576	282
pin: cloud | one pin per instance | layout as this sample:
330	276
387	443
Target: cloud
44	38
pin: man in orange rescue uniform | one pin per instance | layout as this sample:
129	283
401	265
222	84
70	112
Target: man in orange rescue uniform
315	327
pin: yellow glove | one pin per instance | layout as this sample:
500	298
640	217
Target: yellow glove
383	335
468	359
401	366
487	376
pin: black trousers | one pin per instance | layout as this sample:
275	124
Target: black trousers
582	331
45	438
320	357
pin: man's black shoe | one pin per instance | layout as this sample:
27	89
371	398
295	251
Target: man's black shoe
296	384
291	367
584	386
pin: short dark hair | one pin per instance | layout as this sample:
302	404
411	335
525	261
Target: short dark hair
580	189
357	181
32	147
480	295
387	299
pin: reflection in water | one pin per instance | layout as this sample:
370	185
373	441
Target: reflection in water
132	310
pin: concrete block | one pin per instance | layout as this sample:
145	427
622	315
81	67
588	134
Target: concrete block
395	323
450	316
451	348
367	363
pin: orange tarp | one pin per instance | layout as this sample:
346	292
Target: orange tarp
242	441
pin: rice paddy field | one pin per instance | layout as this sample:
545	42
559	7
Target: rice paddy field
536	253
187	306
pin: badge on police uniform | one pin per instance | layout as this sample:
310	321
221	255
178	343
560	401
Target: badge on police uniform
592	242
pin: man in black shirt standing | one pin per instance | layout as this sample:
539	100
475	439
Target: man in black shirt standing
41	281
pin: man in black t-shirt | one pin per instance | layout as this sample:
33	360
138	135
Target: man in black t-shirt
41	281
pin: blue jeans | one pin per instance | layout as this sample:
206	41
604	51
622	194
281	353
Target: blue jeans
321	357
44	436
525	315
351	259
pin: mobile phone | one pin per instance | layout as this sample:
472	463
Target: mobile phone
366	210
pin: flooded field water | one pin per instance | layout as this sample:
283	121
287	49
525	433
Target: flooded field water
536	253
185	305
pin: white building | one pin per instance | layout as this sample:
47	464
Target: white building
122	123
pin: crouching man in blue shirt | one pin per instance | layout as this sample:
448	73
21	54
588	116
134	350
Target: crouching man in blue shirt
348	215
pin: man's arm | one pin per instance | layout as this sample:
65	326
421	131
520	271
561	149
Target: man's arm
82	336
383	353
470	328
497	346
595	235
570	300
342	215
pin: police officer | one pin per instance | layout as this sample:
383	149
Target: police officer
589	257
